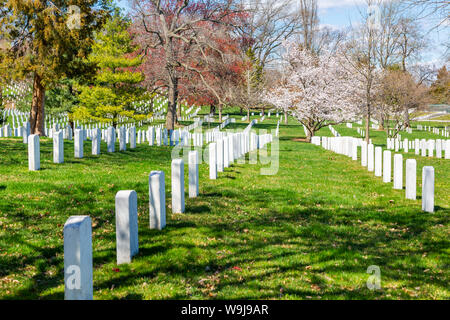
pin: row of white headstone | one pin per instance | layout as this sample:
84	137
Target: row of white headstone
378	161
443	132
421	146
78	265
78	268
362	132
228	148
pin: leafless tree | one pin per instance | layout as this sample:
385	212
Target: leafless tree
172	29
310	22
269	23
361	53
432	8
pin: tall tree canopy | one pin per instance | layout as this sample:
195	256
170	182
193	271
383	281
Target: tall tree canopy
172	31
115	90
47	40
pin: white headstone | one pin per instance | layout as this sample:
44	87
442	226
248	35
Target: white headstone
364	154
226	157
378	162
127	243
111	139
193	174
132	137
157	200
177	186
447	149
398	171
439	149
212	161
96	142
34	153
387	166
428	189
370	158
220	155
230	149
78	258
411	179
58	147
151	136
122	139
78	143
430	148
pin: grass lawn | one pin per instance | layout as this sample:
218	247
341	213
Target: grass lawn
308	232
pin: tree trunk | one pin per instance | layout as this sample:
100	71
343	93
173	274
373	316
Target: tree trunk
262	111
248	115
368	126
406	118
285	118
381	122
309	135
37	114
220	113
172	107
178	118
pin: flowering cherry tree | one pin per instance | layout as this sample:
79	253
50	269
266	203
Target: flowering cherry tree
318	90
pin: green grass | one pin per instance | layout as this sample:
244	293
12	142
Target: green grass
441	118
308	232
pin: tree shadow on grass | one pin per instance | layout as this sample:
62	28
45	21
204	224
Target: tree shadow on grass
297	243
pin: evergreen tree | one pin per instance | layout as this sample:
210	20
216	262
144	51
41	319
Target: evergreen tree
113	94
47	41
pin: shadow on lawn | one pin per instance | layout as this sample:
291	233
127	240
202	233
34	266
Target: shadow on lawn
274	243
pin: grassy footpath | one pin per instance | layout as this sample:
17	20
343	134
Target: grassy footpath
308	232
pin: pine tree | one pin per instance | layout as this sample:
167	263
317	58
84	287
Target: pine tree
47	41
113	94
